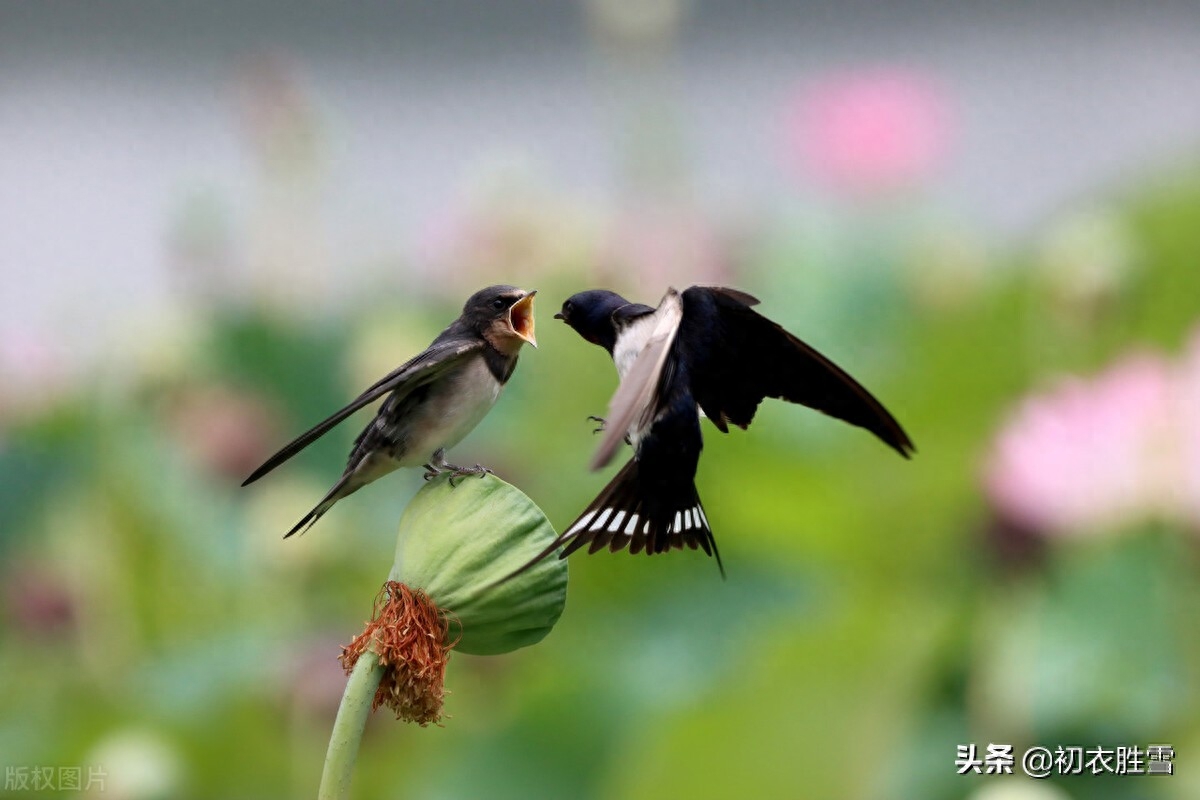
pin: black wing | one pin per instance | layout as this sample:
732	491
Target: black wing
737	357
445	352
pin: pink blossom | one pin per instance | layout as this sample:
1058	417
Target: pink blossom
867	131
1104	453
1188	410
33	370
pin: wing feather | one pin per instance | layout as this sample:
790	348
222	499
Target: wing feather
417	371
748	357
636	396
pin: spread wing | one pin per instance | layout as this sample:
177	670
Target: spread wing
636	397
445	352
741	357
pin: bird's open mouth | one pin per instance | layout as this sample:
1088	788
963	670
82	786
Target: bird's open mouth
520	318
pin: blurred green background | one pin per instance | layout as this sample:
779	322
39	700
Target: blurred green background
222	226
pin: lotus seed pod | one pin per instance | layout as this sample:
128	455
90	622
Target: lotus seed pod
457	542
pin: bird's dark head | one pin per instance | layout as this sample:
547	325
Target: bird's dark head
503	315
590	313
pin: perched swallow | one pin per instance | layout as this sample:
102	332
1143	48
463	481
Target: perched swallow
703	351
434	400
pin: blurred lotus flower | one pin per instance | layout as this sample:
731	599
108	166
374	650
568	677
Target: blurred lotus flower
1187	400
868	132
33	371
315	681
1105	453
37	602
227	430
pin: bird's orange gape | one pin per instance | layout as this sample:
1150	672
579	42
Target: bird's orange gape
520	318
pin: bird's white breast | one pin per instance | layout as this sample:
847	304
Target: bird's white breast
456	404
631	340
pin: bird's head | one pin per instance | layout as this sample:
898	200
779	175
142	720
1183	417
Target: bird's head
590	313
503	315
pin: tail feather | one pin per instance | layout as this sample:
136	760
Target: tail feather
332	496
622	516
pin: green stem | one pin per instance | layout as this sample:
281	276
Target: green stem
348	727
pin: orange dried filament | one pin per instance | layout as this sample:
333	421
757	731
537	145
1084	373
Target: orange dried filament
408	633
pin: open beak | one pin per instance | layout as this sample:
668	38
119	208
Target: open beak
520	318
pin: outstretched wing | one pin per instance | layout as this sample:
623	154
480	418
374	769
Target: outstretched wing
738	357
443	354
636	399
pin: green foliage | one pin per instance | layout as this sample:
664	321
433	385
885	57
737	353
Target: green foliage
866	627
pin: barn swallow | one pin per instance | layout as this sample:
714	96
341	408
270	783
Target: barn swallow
434	399
705	351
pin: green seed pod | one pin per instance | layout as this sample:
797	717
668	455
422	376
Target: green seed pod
456	542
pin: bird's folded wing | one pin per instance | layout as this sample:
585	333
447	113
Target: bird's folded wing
749	357
636	397
423	368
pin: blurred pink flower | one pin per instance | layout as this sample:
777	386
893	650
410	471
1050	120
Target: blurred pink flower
867	131
1188	408
33	371
312	678
37	601
1104	453
229	431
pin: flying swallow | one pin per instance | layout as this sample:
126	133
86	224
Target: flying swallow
705	351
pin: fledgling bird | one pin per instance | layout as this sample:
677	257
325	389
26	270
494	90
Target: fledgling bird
705	350
434	399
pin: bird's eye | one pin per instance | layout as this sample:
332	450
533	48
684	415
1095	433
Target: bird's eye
498	303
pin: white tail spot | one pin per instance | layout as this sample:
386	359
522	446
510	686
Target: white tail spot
615	525
583	521
687	518
678	522
633	521
703	517
600	520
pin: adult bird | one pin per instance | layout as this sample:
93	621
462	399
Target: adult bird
703	351
433	400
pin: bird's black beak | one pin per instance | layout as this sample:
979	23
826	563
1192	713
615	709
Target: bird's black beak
520	318
559	315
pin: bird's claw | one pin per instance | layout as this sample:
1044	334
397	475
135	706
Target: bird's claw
438	465
464	472
603	423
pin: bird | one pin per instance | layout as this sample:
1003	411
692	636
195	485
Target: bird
433	400
707	352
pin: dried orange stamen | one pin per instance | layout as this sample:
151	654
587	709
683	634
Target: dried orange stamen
408	632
